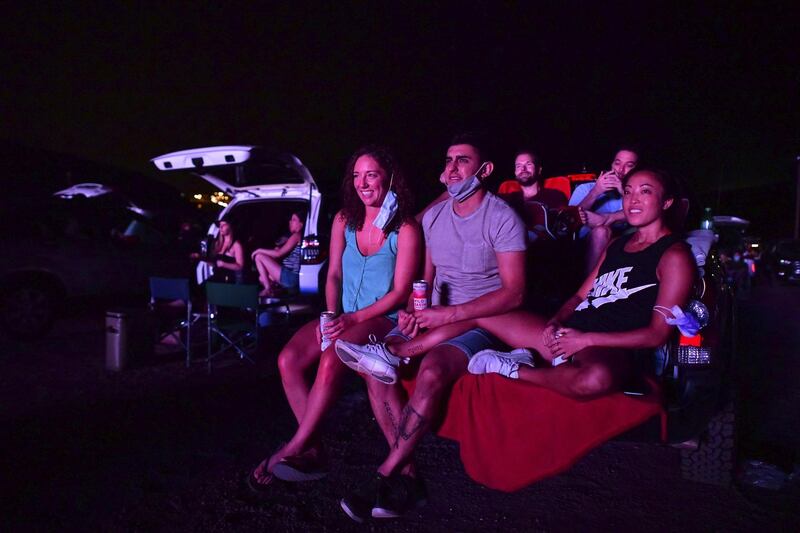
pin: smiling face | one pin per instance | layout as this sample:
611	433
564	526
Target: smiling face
624	162
295	224
462	161
370	181
643	199
525	169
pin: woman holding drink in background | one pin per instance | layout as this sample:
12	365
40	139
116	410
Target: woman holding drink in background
375	252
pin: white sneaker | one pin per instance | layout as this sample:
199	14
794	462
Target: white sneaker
373	359
503	363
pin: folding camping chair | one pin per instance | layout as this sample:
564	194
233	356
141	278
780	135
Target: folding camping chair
171	290
238	326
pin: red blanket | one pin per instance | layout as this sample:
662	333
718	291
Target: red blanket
512	434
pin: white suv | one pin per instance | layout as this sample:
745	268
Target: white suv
265	188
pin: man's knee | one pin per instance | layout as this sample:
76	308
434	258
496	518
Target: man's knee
435	372
593	381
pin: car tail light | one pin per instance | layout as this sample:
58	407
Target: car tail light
691	351
311	252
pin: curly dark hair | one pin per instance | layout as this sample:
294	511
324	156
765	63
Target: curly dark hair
353	210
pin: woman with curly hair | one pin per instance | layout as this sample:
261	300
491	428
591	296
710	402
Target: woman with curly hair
375	252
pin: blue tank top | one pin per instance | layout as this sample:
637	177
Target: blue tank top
366	279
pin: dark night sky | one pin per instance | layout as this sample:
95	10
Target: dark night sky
712	92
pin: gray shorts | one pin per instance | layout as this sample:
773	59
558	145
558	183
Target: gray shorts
470	342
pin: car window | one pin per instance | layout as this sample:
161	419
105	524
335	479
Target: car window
257	172
271	171
730	237
100	219
260	224
789	248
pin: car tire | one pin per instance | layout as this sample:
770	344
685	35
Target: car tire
27	311
713	461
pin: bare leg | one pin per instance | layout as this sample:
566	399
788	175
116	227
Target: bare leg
438	371
519	329
269	272
294	361
598	239
299	354
387	403
326	388
423	343
263	277
594	372
273	268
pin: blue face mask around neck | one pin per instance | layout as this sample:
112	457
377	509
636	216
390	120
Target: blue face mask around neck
464	189
388	209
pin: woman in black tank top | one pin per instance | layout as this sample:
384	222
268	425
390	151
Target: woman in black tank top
612	313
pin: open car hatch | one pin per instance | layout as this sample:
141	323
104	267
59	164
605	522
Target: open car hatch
247	170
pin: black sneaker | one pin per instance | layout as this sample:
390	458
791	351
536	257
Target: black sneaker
359	503
399	495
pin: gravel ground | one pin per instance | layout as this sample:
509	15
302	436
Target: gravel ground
159	447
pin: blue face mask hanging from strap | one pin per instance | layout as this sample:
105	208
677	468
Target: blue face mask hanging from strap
388	209
464	189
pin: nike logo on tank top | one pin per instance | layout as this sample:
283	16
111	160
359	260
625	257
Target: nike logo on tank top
625	290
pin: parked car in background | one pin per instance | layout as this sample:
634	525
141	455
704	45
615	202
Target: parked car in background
739	252
732	234
87	190
263	188
63	250
782	260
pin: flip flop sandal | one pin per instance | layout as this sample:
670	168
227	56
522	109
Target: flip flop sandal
269	481
260	487
300	468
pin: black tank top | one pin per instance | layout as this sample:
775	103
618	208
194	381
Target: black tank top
625	290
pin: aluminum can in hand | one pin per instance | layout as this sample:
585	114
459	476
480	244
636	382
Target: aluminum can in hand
324	318
420	294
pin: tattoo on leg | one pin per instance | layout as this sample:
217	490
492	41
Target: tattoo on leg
414	349
410	422
392	419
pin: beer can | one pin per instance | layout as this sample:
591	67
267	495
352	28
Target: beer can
420	294
324	318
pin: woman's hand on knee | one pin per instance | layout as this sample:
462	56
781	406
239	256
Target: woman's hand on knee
340	324
549	333
568	341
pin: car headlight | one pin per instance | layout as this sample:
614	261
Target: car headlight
784	262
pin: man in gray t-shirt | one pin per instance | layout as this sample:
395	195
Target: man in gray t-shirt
463	249
475	266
